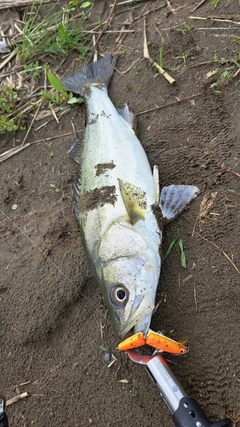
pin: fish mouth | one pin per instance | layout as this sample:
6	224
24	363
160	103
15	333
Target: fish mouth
141	326
139	319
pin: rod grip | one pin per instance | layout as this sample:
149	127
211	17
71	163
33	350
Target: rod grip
190	414
3	415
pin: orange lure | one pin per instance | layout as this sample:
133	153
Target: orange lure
160	342
136	340
155	340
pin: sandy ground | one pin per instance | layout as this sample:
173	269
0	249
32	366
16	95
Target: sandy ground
51	309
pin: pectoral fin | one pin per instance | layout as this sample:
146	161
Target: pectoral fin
135	201
175	198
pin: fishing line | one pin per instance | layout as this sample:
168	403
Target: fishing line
52	262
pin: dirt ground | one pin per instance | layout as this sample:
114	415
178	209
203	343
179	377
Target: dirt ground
51	309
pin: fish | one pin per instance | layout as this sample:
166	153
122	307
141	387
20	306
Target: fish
115	201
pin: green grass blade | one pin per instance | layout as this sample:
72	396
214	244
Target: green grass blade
173	242
55	82
161	56
85	4
182	253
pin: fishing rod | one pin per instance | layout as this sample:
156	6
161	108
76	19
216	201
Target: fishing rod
186	412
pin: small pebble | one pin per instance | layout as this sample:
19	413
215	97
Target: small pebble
4	48
107	357
14	207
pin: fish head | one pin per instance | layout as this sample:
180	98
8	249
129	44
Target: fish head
129	289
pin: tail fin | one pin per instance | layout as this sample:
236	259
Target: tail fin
97	72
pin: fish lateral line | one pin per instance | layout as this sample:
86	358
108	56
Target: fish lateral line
50	261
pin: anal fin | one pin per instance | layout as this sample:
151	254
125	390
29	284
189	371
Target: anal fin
174	198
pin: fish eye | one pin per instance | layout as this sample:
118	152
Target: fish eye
118	295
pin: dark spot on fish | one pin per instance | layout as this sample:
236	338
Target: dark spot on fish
97	197
87	90
3	290
102	167
103	114
93	118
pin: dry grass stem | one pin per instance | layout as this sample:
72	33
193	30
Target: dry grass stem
95	55
5	4
146	55
9	57
221	250
129	1
46	113
179	281
209	18
215	28
16	398
34	117
54	114
197	6
206	204
167	76
156	307
145	46
187	279
103	30
168	105
51	137
101	330
195	296
74	129
235	74
107	31
129	68
10	153
111	363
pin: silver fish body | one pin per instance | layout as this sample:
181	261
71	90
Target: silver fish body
114	200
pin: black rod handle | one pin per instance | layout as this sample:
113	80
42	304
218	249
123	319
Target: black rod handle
3	415
190	414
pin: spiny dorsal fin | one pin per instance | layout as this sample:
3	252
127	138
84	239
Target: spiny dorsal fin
135	201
